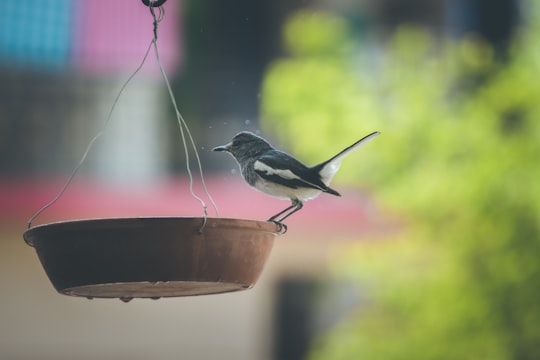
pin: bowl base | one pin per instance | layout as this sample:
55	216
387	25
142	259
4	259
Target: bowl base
153	290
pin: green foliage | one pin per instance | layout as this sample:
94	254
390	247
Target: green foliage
459	157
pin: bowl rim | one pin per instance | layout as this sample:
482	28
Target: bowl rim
115	222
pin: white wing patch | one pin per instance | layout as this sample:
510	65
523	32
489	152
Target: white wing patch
268	170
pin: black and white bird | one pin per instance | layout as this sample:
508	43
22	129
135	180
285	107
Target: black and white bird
280	175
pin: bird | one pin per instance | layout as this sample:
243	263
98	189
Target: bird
281	175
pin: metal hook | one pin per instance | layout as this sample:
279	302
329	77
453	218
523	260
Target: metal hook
153	3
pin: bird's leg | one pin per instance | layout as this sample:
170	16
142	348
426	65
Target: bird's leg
294	204
297	204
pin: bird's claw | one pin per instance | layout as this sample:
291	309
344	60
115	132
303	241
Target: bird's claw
282	228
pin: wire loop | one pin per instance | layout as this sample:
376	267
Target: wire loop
153	3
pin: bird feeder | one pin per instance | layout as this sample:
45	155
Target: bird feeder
151	257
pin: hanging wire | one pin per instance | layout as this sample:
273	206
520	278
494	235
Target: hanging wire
184	129
91	143
181	122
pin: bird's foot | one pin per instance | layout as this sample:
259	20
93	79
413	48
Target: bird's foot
282	228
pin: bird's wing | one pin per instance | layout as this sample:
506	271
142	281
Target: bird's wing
285	170
329	168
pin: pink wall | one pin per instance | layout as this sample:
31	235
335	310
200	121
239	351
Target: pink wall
112	36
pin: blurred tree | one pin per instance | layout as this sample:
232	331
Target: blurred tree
458	157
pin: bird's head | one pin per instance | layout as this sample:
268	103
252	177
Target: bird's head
245	145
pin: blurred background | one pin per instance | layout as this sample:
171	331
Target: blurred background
431	252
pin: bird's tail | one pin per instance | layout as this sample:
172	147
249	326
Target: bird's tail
329	168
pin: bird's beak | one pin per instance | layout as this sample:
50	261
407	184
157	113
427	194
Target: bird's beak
223	148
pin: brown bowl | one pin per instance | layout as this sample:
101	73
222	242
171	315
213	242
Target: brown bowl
152	257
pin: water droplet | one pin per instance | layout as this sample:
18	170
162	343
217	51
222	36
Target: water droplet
209	126
224	123
247	122
233	171
126	298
